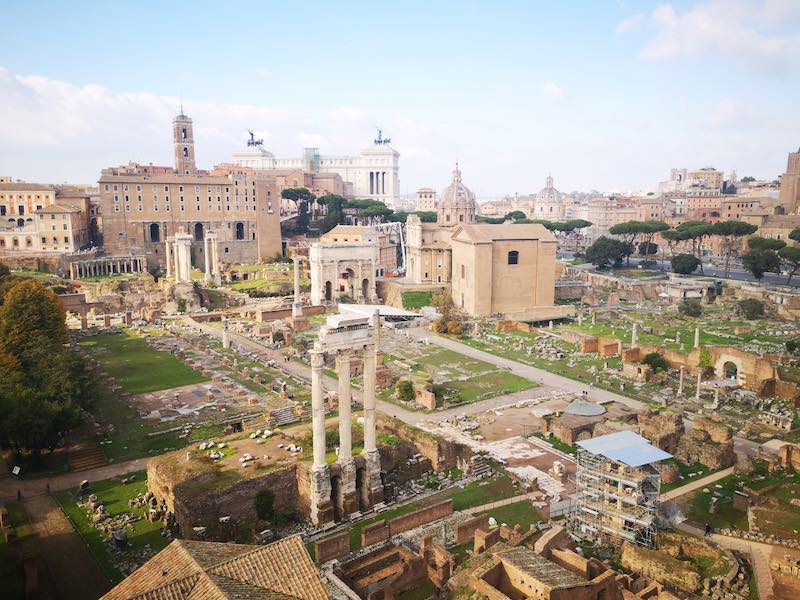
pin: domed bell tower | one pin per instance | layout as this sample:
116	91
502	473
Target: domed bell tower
183	140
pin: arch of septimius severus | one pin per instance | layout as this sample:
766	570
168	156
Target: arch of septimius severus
353	483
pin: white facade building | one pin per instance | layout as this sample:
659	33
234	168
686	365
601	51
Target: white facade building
372	174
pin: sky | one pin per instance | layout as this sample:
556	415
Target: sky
602	94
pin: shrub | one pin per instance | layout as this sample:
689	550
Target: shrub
264	505
751	308
182	305
439	326
656	362
691	307
405	390
454	327
792	346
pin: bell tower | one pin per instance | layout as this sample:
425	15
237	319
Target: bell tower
183	140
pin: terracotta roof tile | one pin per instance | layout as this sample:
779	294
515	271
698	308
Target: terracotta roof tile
192	570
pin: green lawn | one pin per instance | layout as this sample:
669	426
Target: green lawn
725	516
481	387
414	300
115	498
422	592
136	366
520	513
556	443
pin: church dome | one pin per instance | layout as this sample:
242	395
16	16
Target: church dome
548	202
457	195
457	203
548	194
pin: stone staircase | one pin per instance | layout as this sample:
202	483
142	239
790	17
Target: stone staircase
85	457
478	467
282	416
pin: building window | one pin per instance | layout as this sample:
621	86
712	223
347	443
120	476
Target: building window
513	257
463	271
240	231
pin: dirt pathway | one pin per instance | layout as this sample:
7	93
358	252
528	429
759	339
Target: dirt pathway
695	485
65	555
36	487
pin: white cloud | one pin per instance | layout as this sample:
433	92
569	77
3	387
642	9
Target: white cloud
631	23
741	30
734	115
263	72
553	91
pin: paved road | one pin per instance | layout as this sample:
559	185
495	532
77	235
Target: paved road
64	553
710	270
759	552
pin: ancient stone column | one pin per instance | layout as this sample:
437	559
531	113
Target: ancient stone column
84	322
635	336
696	337
370	445
107	320
226	342
169	259
680	380
593	318
699	380
296	261
345	419
318	409
207	255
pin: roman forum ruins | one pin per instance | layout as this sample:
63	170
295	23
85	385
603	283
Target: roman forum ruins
351	484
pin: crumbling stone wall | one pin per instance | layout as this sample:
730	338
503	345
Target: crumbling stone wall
466	530
383	530
659	566
664	430
442	453
708	443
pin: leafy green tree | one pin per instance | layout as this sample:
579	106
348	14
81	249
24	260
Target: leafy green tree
656	362
684	264
335	211
673	237
696	232
795	235
4	271
648	230
792	346
627	232
762	243
750	308
758	262
690	307
790	256
302	197
426	216
31	320
516	215
748	179
647	248
606	251
265	505
730	233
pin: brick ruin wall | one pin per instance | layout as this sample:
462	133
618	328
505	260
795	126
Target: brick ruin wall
332	547
466	530
383	530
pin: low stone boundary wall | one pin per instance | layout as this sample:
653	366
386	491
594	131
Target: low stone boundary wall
383	530
332	547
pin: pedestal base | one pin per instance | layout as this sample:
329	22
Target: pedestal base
321	507
373	464
300	323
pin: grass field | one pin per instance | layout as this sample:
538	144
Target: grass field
520	513
115	498
136	366
414	300
684	469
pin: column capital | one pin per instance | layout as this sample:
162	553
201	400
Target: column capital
317	358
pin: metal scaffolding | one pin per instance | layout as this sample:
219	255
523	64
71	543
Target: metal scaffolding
616	502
